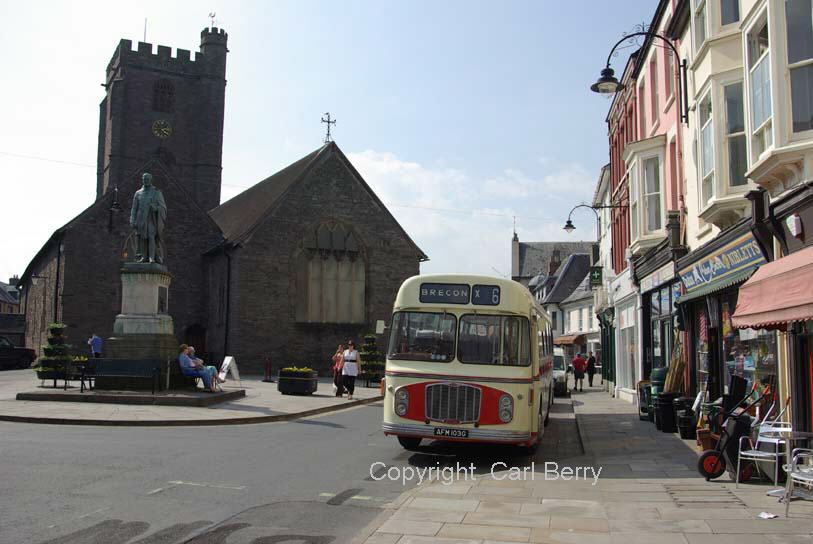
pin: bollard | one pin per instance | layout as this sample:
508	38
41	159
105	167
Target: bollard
267	377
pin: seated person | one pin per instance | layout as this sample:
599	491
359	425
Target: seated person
191	367
200	364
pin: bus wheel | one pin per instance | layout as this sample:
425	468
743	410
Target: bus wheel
409	442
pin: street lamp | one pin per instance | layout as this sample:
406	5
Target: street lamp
608	84
570	227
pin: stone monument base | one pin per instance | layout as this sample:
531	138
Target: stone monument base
140	346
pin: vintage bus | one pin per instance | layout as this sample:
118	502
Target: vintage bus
469	358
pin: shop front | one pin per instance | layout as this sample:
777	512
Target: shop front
779	297
625	304
711	278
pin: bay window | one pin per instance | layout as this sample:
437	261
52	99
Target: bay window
729	11
735	134
799	21
706	149
759	69
699	24
633	180
652	193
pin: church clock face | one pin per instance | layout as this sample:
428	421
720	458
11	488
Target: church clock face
162	129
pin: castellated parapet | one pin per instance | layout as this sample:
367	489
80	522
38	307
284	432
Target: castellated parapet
209	61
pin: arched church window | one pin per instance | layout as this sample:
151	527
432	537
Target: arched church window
163	96
330	277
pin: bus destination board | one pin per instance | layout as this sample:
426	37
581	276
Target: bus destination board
485	295
449	293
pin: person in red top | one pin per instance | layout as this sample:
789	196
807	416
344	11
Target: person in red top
579	366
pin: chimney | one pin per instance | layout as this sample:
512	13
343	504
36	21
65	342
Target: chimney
555	261
14	280
515	257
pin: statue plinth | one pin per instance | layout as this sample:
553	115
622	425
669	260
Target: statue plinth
143	329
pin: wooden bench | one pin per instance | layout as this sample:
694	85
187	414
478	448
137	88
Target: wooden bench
124	368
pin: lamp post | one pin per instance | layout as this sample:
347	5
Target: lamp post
570	227
608	84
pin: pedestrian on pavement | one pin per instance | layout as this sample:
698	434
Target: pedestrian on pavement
95	344
591	368
338	363
190	368
350	368
579	366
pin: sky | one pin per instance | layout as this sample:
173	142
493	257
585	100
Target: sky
461	115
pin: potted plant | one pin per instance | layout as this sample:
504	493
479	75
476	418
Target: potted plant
372	361
297	381
55	363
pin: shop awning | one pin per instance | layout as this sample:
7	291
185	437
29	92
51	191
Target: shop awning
569	340
778	293
719	285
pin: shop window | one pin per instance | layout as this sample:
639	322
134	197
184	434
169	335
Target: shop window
799	21
627	372
701	347
707	150
759	70
735	134
729	11
747	353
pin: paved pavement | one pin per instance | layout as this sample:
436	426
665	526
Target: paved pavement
262	403
648	491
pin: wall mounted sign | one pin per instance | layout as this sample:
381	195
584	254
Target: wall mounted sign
658	277
595	276
741	254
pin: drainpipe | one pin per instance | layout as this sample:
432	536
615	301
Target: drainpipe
58	276
228	301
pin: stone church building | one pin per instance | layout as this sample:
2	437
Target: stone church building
287	269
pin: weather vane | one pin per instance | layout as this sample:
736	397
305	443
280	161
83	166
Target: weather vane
327	120
212	16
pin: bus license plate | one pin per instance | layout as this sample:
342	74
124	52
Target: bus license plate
451	433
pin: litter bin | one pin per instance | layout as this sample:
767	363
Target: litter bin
665	412
657	379
644	394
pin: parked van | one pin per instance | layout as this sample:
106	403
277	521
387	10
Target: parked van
559	372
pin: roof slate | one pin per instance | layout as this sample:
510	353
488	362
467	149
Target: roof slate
535	257
569	276
581	292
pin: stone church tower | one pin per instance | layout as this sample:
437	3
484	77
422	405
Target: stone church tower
161	113
166	107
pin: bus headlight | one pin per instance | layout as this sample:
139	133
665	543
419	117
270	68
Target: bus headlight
506	407
401	402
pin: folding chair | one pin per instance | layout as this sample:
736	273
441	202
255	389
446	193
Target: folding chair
778	446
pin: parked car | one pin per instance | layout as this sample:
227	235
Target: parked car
559	372
13	357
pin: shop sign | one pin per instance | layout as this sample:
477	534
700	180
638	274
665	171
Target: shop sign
595	276
658	277
741	254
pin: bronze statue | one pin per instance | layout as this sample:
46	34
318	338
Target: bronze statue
147	220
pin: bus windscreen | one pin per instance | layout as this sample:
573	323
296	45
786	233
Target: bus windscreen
422	336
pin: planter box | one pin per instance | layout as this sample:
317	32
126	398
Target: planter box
297	383
50	374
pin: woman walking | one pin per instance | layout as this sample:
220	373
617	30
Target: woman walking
350	368
338	363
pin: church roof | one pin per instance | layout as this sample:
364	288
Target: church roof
242	214
535	257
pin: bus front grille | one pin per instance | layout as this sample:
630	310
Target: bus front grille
453	402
